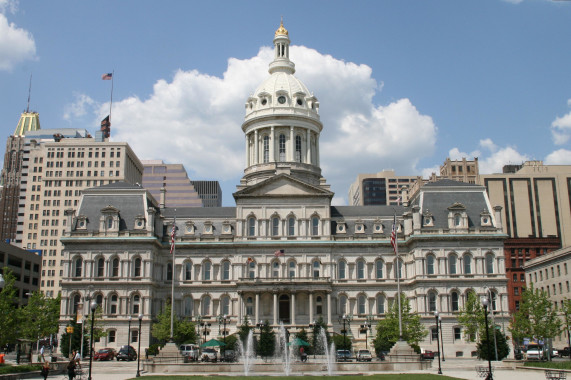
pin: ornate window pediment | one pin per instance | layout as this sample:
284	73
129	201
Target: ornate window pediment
140	222
359	227
457	216
208	228
109	219
427	219
485	218
189	228
378	226
226	227
341	227
82	222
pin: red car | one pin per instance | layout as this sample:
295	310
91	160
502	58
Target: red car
427	355
104	354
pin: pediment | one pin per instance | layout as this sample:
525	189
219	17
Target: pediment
457	207
280	186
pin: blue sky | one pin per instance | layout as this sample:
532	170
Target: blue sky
402	84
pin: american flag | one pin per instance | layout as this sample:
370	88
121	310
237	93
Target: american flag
279	252
173	235
250	260
399	200
107	76
394	236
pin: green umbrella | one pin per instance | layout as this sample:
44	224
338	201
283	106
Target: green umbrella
298	342
213	343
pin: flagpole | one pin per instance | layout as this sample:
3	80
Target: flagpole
111	103
173	233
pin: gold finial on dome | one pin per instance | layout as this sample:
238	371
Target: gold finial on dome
281	30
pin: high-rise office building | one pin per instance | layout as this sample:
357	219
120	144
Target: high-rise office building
210	192
173	178
380	189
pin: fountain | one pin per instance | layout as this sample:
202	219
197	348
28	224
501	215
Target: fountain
247	354
284	350
328	352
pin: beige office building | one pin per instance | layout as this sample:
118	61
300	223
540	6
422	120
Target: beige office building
58	169
180	191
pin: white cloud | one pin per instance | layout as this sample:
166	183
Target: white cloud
16	44
195	119
561	128
80	107
558	157
9	6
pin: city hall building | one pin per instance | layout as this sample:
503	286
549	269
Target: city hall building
283	254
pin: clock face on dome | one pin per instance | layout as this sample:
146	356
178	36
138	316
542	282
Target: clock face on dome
282	99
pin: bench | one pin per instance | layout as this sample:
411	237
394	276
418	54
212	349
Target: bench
483	371
551	374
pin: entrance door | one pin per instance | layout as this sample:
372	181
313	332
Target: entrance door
284	313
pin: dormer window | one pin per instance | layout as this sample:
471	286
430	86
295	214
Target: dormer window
359	227
208	227
299	102
189	228
457	216
341	227
139	222
82	222
264	101
378	227
485	219
427	219
226	228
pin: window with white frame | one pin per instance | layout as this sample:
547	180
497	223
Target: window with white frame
291	269
206	305
430	264
275	226
316	269
360	269
431	302
342	269
137	267
187	271
100	267
379	268
452	263
226	270
115	267
275	269
136	304
362	305
251	226
489	263
206	271
467	263
315	226
291	226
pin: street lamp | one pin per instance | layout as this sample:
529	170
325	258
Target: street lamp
93	308
205	326
82	327
129	331
198	324
346	319
489	294
139	350
437	342
441	339
223	319
485	304
313	325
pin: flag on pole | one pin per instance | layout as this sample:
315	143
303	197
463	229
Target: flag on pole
394	236
250	260
173	235
279	252
399	199
107	76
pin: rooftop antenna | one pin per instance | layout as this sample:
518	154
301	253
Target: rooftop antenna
29	94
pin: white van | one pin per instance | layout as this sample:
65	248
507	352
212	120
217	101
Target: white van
189	351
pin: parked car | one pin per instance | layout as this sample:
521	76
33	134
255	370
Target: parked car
535	352
554	353
209	355
364	356
565	352
427	355
127	353
105	354
228	356
344	356
189	351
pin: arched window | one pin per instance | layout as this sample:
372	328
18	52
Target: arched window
266	149
298	148
206	271
316	269
206	305
187	271
115	267
362	305
226	270
318	305
99	300
251	226
75	303
431	302
342	270
275	226
188	306
249	306
291	269
100	267
77	267
282	142
136	304
137	267
169	271
291	226
452	262
379	268
113	305
252	269
275	269
454	301
315	226
489	263
360	270
342	305
430	264
467	264
380	304
225	305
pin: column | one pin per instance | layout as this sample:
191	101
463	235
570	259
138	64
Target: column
247	150
310	307
292	144
316	150
308	147
272	145
240	309
257	307
292	313
256	159
275	308
329	308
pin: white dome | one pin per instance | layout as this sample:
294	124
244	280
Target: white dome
282	83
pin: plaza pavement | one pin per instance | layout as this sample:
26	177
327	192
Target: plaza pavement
459	368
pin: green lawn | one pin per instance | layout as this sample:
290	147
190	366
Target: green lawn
405	376
550	365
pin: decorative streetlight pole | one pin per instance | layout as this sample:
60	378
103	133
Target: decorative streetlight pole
370	323
437	342
129	331
223	319
346	319
313	325
366	326
139	350
198	324
82	328
93	308
441	339
485	303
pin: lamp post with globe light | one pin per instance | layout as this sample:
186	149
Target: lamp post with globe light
485	304
139	350
129	331
346	319
93	307
441	339
437	342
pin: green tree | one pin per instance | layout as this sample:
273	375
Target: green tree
536	317
73	338
244	330
316	332
566	310
388	328
184	331
500	341
267	344
342	342
9	311
472	318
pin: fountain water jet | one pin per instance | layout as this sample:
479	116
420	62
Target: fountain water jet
328	352
247	353
285	351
